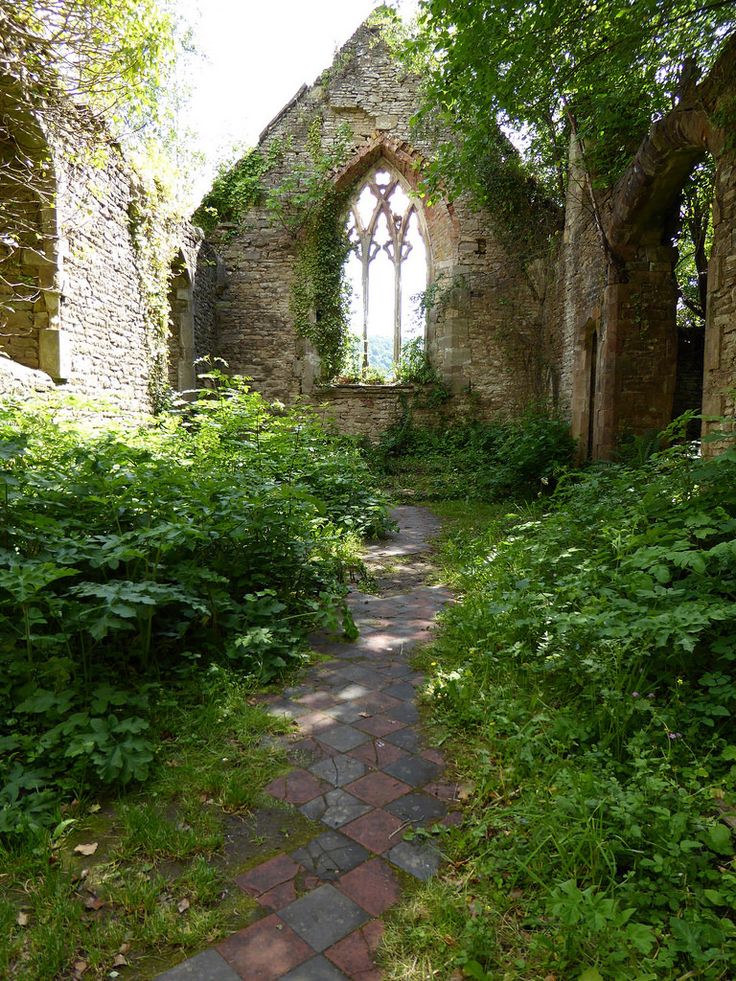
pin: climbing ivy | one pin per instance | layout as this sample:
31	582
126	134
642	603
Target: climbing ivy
310	207
235	189
320	295
153	230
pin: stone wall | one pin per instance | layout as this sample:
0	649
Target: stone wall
76	310
107	346
719	395
611	323
484	334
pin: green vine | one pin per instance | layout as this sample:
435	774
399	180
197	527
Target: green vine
235	189
320	294
308	205
153	233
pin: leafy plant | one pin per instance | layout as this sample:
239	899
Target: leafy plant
220	533
585	685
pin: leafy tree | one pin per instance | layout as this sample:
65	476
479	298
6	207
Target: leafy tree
114	55
599	69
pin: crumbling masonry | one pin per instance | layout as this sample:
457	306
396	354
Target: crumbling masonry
587	326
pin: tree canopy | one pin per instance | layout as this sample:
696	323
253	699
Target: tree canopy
113	55
600	68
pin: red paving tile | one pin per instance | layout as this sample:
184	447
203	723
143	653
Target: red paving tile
372	885
434	756
378	725
265	950
442	791
378	788
377	753
297	787
355	954
314	723
264	877
278	897
374	830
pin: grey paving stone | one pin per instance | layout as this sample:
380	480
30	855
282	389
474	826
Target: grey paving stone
402	689
397	669
406	712
335	808
417	807
347	712
421	861
209	966
286	709
413	770
407	739
351	691
323	917
339	770
342	737
317	969
330	854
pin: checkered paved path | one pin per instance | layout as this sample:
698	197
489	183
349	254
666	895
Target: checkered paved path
365	773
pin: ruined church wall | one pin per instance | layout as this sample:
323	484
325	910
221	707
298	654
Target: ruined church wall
106	347
574	310
484	333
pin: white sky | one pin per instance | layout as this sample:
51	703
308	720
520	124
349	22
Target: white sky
253	57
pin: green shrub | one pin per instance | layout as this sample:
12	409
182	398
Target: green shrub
131	556
480	461
588	679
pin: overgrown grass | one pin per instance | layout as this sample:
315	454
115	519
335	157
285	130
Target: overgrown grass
584	685
157	885
475	461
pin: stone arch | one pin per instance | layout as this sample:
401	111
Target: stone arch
638	342
181	325
29	245
440	230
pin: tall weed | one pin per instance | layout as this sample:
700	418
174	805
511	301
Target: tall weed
128	558
587	681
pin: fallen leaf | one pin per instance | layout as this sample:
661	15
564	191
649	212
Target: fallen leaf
119	961
80	967
516	893
22	919
183	906
465	790
86	849
94	902
365	715
94	808
124	948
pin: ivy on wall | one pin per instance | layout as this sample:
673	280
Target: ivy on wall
235	189
153	230
320	294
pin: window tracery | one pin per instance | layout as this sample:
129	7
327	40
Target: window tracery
387	267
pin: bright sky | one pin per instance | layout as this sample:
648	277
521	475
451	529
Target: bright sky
254	56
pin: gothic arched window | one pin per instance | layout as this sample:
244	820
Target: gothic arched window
387	267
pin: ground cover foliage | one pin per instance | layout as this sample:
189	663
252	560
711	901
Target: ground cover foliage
475	460
130	560
585	686
136	886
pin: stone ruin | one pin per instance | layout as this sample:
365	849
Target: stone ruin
588	331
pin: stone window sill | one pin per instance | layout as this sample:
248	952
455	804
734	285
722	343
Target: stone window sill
356	388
